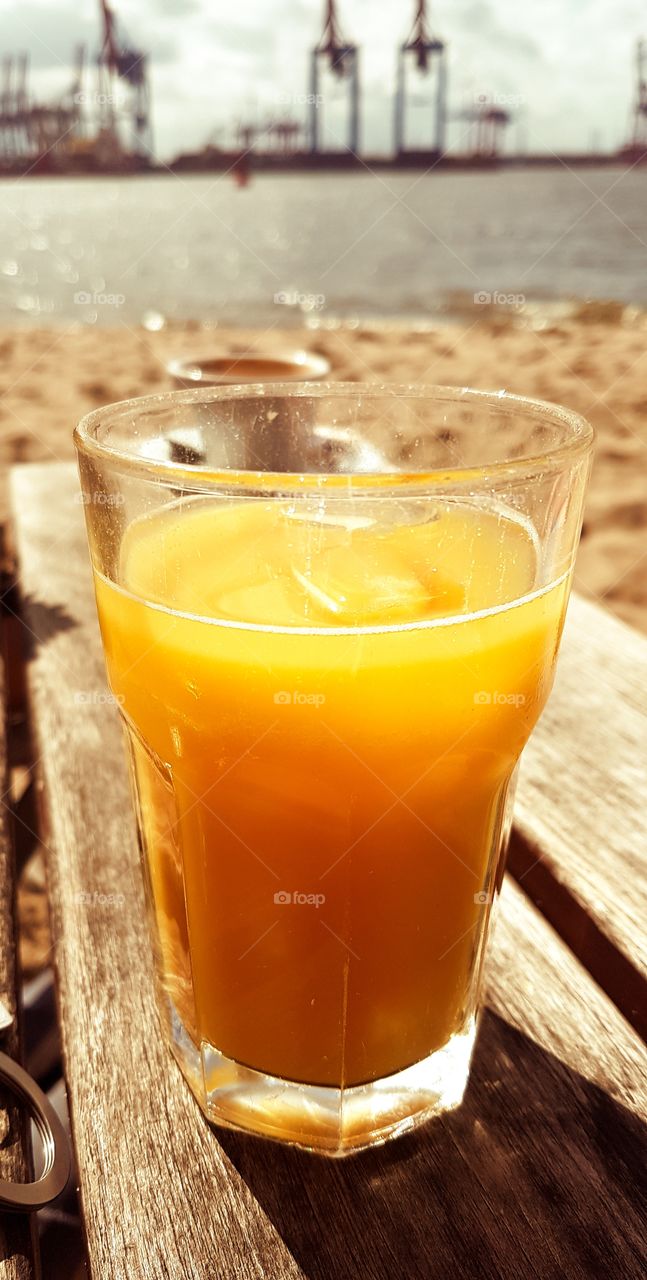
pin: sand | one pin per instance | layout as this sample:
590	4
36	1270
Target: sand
48	378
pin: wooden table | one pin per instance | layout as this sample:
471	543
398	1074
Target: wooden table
536	1175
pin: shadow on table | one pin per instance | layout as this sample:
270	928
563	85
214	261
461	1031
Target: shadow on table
514	1184
40	622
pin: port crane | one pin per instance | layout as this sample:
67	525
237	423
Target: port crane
491	122
343	60
118	61
428	54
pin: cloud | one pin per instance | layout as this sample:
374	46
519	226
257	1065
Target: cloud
48	32
178	8
475	20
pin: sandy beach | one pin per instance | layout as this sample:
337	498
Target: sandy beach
595	363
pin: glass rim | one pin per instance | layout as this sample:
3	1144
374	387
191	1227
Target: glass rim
578	439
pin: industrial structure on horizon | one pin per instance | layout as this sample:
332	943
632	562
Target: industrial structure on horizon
102	122
423	53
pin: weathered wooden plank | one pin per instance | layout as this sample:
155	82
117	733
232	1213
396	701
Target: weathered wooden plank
17	1239
537	1174
580	832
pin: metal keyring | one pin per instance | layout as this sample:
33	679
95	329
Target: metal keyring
25	1197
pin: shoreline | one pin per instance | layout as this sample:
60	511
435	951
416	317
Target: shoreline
455	309
420	162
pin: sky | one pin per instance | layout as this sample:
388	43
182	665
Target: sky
564	68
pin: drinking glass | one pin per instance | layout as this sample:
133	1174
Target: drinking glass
330	616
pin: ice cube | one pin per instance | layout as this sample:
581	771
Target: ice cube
369	582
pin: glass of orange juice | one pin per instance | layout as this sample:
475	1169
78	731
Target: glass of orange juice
331	620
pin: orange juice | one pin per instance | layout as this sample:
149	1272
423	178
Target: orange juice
325	709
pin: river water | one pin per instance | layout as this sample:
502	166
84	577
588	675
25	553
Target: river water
389	244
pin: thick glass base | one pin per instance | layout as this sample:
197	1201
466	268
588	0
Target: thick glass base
330	1121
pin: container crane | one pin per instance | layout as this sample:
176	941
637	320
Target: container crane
118	60
429	54
491	122
343	61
